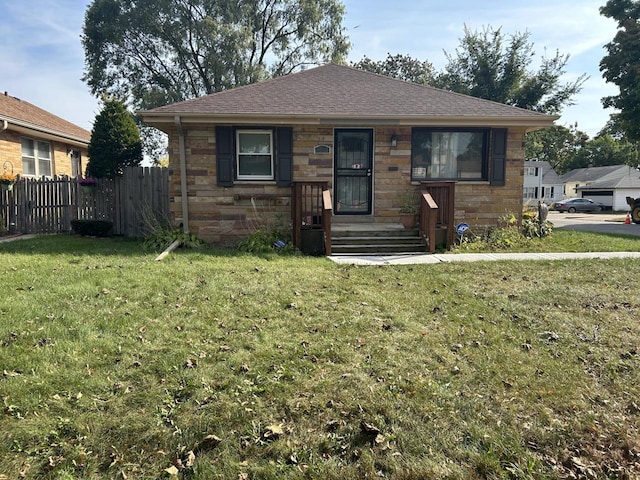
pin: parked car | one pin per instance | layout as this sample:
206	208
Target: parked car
578	205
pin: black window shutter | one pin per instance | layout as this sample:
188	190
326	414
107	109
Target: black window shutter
284	156
224	156
498	156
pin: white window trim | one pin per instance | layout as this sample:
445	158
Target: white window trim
36	158
238	154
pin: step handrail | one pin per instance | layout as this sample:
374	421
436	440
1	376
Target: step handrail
327	212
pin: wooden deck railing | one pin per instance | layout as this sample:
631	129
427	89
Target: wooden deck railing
442	194
308	209
428	218
327	213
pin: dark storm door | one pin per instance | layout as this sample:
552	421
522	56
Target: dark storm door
353	171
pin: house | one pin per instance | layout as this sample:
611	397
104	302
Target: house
249	153
541	182
36	143
609	185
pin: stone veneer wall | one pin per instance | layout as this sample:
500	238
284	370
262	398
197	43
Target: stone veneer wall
11	150
227	215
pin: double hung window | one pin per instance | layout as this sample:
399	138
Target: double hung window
254	155
36	157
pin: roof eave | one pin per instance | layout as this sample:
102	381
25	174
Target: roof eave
43	132
166	120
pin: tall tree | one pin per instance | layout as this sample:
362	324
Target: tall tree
491	65
399	66
557	145
154	52
621	65
605	150
115	141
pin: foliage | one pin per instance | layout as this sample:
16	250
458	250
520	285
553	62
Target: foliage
399	66
215	364
621	63
533	228
557	145
268	239
88	182
409	202
491	65
162	51
7	178
162	237
507	236
115	141
569	148
92	228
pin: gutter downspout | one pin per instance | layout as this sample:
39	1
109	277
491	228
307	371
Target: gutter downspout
183	174
5	125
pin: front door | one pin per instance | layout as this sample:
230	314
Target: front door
353	171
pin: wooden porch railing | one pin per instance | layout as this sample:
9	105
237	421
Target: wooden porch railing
308	210
428	218
442	196
327	212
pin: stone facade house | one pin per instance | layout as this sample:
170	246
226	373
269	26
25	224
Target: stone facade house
237	156
36	143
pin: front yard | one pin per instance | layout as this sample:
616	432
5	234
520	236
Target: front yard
212	364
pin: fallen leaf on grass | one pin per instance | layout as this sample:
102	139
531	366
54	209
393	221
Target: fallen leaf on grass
273	431
207	443
172	471
369	429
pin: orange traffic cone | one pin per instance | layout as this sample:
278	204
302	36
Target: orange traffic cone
627	220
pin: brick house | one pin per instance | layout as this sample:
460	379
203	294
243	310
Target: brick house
36	143
245	154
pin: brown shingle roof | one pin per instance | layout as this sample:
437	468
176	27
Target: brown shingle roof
338	92
27	115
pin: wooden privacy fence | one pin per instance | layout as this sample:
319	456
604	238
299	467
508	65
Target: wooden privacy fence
47	205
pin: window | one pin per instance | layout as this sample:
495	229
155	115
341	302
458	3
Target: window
76	168
549	192
449	154
531	171
36	158
254	154
530	193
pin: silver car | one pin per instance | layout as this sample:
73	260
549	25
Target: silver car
578	205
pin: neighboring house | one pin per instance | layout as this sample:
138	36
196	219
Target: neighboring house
609	185
36	143
235	155
541	182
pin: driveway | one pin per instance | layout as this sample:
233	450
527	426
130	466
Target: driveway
612	223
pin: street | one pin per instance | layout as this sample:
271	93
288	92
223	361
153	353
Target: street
607	222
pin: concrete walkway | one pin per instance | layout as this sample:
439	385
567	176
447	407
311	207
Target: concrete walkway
412	259
11	238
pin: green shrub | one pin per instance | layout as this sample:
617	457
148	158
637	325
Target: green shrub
266	240
531	227
92	228
507	235
161	238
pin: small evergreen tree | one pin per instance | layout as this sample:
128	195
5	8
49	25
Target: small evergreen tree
115	141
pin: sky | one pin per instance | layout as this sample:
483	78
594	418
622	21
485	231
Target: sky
42	59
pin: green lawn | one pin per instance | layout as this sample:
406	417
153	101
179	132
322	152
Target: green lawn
212	364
